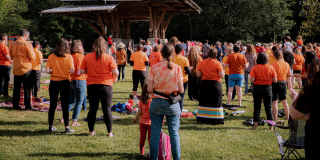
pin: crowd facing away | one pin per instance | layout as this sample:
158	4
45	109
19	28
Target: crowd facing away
272	70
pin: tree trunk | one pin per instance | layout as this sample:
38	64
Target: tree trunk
274	36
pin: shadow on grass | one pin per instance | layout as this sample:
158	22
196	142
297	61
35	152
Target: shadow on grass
20	123
25	133
89	154
202	127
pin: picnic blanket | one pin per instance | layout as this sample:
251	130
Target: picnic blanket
41	107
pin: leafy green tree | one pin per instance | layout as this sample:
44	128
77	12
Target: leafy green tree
311	11
12	21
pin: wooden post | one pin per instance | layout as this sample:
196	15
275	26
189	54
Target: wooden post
128	29
117	28
168	21
154	23
123	28
113	24
162	30
150	23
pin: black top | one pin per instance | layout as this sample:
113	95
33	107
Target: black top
288	57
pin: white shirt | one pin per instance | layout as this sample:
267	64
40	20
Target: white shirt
148	49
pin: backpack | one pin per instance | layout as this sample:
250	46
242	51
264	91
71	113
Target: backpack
164	147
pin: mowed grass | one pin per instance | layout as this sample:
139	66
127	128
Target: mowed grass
24	135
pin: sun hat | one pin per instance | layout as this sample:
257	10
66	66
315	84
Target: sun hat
121	45
258	44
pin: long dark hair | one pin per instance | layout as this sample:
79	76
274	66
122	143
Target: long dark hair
62	48
145	95
100	47
310	63
75	45
166	52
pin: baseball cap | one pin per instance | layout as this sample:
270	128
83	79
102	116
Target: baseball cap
178	48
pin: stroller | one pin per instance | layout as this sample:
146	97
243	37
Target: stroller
295	141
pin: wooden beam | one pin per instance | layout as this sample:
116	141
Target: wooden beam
168	21
93	27
128	29
101	25
117	25
160	19
154	14
163	32
112	20
151	21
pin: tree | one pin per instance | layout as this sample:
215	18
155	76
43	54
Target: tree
11	12
311	11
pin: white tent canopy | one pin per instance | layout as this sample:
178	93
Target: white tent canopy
81	8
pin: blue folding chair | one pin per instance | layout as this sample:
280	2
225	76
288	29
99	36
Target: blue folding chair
295	141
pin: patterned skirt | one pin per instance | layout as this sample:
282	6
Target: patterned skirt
210	110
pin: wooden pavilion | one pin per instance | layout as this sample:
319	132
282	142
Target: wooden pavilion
116	15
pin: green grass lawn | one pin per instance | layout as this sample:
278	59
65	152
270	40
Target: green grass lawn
24	135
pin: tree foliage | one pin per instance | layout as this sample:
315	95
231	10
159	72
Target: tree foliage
11	20
310	11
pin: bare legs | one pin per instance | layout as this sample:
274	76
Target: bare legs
275	109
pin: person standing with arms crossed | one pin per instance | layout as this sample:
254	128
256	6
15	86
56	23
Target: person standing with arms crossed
5	66
236	63
22	55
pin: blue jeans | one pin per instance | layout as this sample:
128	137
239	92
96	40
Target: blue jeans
77	96
158	109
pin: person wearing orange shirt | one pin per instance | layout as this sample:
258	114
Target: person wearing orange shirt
139	61
262	75
279	89
257	47
210	108
193	80
309	67
155	57
236	63
36	68
121	56
60	66
299	42
226	71
102	72
5	66
78	82
184	64
298	57
22	55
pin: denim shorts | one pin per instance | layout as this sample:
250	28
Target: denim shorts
160	106
236	79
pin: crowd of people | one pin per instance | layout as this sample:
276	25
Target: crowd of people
271	69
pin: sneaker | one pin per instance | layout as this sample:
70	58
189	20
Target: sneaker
51	129
68	130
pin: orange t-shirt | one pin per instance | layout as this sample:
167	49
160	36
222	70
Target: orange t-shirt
139	58
36	65
210	69
318	50
282	68
155	58
145	116
263	74
4	50
236	62
22	55
257	49
299	61
121	57
165	80
300	42
304	70
226	69
77	60
99	71
60	67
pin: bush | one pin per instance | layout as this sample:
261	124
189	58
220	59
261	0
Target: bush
46	51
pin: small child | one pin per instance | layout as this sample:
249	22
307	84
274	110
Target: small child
36	69
300	42
143	114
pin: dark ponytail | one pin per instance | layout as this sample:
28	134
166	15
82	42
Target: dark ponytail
166	52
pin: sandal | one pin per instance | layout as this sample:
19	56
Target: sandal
112	135
94	133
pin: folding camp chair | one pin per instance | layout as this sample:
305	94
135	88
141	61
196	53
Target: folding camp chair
295	141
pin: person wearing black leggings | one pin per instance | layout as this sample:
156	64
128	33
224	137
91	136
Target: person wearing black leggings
60	65
102	72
